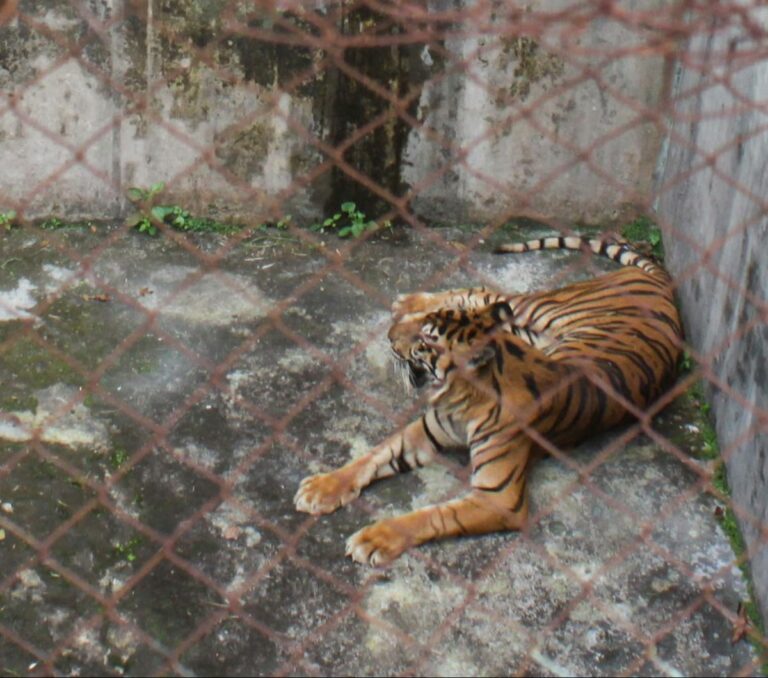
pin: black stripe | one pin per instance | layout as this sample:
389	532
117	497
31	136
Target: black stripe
615	376
533	387
431	437
513	349
581	400
639	362
501	455
494	416
659	315
456	520
438	421
479	442
402	465
599	413
496	385
497	354
568	399
504	483
659	348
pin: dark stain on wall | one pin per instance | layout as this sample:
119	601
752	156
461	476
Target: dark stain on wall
273	53
398	73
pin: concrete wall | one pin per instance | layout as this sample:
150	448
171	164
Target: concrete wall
136	93
524	108
232	109
712	201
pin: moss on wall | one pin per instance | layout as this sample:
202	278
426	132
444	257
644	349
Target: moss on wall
532	64
244	151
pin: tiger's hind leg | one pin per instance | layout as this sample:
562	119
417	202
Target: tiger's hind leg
497	502
415	445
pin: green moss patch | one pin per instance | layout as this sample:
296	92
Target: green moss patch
30	367
643	231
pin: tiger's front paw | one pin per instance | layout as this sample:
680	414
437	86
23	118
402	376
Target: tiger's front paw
378	544
324	493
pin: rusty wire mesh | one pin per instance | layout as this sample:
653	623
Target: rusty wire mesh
352	159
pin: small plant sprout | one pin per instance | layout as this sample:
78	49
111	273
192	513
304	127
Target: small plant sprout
143	198
348	222
284	223
7	219
644	230
127	550
686	362
148	215
118	458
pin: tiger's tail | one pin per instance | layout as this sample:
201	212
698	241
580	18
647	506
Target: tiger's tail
618	250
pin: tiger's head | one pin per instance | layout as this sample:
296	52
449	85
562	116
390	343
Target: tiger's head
433	346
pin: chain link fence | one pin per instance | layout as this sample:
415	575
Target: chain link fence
208	209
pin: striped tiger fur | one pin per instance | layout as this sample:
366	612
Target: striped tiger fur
510	375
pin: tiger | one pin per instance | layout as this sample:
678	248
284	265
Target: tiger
511	377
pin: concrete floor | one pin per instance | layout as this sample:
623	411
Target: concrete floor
158	413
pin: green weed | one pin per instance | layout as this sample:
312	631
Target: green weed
644	231
725	515
7	219
284	223
149	215
118	457
348	222
143	199
182	220
52	223
127	550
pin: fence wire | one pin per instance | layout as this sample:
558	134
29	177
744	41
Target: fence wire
141	533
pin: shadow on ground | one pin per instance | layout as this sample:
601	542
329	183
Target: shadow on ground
162	400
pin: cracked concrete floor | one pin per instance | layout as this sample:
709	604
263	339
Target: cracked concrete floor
158	413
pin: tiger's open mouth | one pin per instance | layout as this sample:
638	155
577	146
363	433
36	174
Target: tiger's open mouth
413	372
417	375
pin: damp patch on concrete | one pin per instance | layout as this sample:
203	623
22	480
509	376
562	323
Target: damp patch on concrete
215	298
59	418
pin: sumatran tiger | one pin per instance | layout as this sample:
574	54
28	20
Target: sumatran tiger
510	375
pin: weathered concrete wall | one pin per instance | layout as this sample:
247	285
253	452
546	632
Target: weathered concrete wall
232	110
149	92
524	108
712	197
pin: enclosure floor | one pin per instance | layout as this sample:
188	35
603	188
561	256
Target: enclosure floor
161	405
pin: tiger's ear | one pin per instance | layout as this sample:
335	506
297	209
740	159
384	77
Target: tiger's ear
502	312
